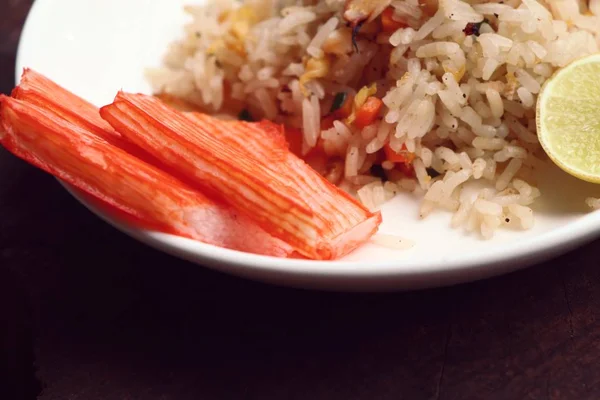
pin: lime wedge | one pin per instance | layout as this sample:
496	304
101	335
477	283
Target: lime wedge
568	118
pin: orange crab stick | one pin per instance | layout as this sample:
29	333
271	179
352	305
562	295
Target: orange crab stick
77	156
34	88
249	166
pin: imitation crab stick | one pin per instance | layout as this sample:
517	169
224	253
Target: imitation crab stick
80	157
249	166
36	89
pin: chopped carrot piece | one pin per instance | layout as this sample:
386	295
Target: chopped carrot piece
406	169
368	112
388	23
327	122
429	7
78	156
403	159
403	156
250	169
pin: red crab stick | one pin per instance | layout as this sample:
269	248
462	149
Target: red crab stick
249	166
34	88
90	163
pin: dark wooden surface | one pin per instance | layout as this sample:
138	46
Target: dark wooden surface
87	314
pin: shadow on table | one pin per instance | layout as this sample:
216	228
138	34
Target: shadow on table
113	319
133	321
17	371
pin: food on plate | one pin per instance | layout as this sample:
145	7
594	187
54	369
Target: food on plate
261	198
249	166
357	12
593	203
88	162
36	89
568	122
382	97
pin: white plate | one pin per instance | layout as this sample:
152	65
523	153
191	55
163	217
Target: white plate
95	48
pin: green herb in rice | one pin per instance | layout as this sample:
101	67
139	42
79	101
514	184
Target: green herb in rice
338	101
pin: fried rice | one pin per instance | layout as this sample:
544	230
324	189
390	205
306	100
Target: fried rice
393	95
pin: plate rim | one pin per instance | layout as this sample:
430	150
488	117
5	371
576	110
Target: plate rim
349	275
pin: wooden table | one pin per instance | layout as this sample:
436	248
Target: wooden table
87	313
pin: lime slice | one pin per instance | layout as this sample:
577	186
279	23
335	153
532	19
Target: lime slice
568	118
